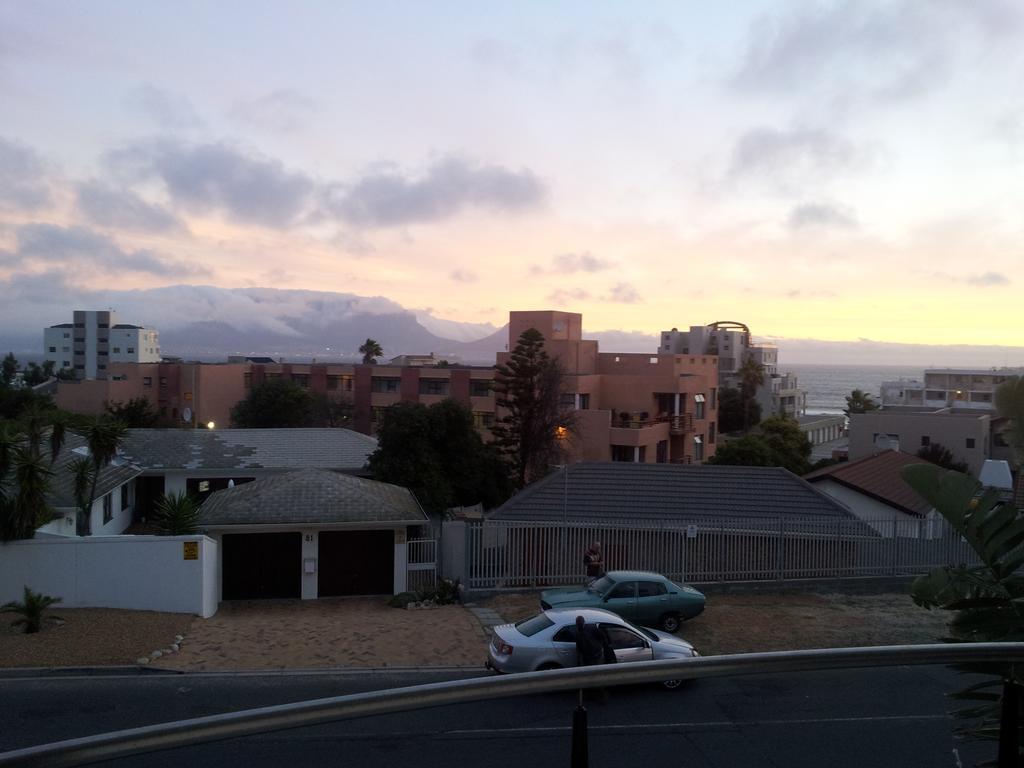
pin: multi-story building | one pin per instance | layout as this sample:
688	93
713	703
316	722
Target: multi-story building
731	342
972	388
630	407
95	340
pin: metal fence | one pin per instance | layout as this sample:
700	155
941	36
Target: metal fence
421	564
504	554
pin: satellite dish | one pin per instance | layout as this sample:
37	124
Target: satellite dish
186	415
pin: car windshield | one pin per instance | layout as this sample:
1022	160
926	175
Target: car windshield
531	627
644	631
602	585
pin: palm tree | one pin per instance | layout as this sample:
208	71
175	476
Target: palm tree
371	351
859	401
751	377
177	515
31	610
24	481
103	437
1010	405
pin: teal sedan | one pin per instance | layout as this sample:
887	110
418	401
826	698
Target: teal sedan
648	599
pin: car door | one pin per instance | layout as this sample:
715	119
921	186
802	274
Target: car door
652	602
621	599
627	644
564	643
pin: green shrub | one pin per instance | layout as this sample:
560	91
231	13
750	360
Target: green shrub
31	610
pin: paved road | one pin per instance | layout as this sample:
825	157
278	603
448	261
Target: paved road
893	717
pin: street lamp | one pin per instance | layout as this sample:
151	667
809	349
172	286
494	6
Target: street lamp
210	425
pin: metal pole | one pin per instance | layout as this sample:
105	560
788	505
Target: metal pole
1009	727
580	748
565	516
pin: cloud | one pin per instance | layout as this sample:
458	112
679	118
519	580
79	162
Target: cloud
567	295
23	182
887	51
217	177
170	111
788	159
571	263
282	111
78	247
623	293
387	198
802	294
821	215
108	206
463	276
987	278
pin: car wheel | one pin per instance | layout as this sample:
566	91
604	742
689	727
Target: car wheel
670	622
548	665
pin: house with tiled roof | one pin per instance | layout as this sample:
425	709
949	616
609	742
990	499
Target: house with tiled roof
311	533
873	488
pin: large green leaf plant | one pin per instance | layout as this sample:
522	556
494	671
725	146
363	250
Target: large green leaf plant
986	598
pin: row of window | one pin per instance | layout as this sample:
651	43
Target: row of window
926	441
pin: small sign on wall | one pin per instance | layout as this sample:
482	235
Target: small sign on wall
190	550
691	531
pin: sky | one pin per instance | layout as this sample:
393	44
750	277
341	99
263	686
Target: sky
826	170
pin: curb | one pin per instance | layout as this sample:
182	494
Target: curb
14	673
26	673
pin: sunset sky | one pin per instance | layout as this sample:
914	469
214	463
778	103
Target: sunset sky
829	170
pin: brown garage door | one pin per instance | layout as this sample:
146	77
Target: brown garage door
261	565
356	563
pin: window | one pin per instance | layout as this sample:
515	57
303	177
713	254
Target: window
622	453
970	442
102	367
79	340
434	387
125	501
711	432
147	381
204	486
620	637
79	367
108	508
163	382
625	590
585	401
65	349
925	441
531	627
652	360
483	419
377	413
384	385
67	335
131	350
247	380
567	400
698	406
650	589
566	634
698	448
117	350
301	379
53	349
479	388
102	325
102	341
713	399
103	353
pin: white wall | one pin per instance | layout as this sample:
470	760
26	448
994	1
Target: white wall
875	513
64	524
147	573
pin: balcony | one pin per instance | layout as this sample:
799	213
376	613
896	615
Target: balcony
681	424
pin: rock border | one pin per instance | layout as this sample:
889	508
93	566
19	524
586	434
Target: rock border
170	649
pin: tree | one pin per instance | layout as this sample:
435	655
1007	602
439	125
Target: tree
275	403
859	401
734	412
371	351
25	470
1009	401
330	412
939	454
137	413
534	428
31	610
436	453
985	600
751	378
9	368
176	514
776	442
103	437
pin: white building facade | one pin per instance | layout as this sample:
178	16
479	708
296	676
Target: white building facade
960	388
94	340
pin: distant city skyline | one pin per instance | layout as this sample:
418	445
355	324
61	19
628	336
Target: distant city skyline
832	171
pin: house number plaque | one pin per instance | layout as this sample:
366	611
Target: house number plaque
191	550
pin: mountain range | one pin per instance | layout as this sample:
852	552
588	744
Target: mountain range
208	323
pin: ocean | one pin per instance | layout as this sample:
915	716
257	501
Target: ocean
828	385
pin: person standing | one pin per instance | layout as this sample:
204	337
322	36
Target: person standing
592	648
593	562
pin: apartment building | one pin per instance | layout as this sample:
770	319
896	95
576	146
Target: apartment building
95	340
632	407
731	342
962	388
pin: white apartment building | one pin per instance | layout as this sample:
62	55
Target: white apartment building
94	340
960	388
731	341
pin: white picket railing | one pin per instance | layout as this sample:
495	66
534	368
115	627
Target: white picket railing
505	554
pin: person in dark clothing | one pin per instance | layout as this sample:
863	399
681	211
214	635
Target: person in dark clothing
592	647
593	562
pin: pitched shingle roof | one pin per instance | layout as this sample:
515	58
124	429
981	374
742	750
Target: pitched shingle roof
311	496
618	492
340	449
62	483
878	476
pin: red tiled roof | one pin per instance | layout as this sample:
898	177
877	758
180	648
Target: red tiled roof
878	476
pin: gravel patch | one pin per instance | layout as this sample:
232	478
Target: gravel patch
747	623
89	637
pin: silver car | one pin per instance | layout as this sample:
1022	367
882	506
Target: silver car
548	641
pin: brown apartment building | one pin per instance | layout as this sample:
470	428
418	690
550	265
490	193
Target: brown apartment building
631	407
